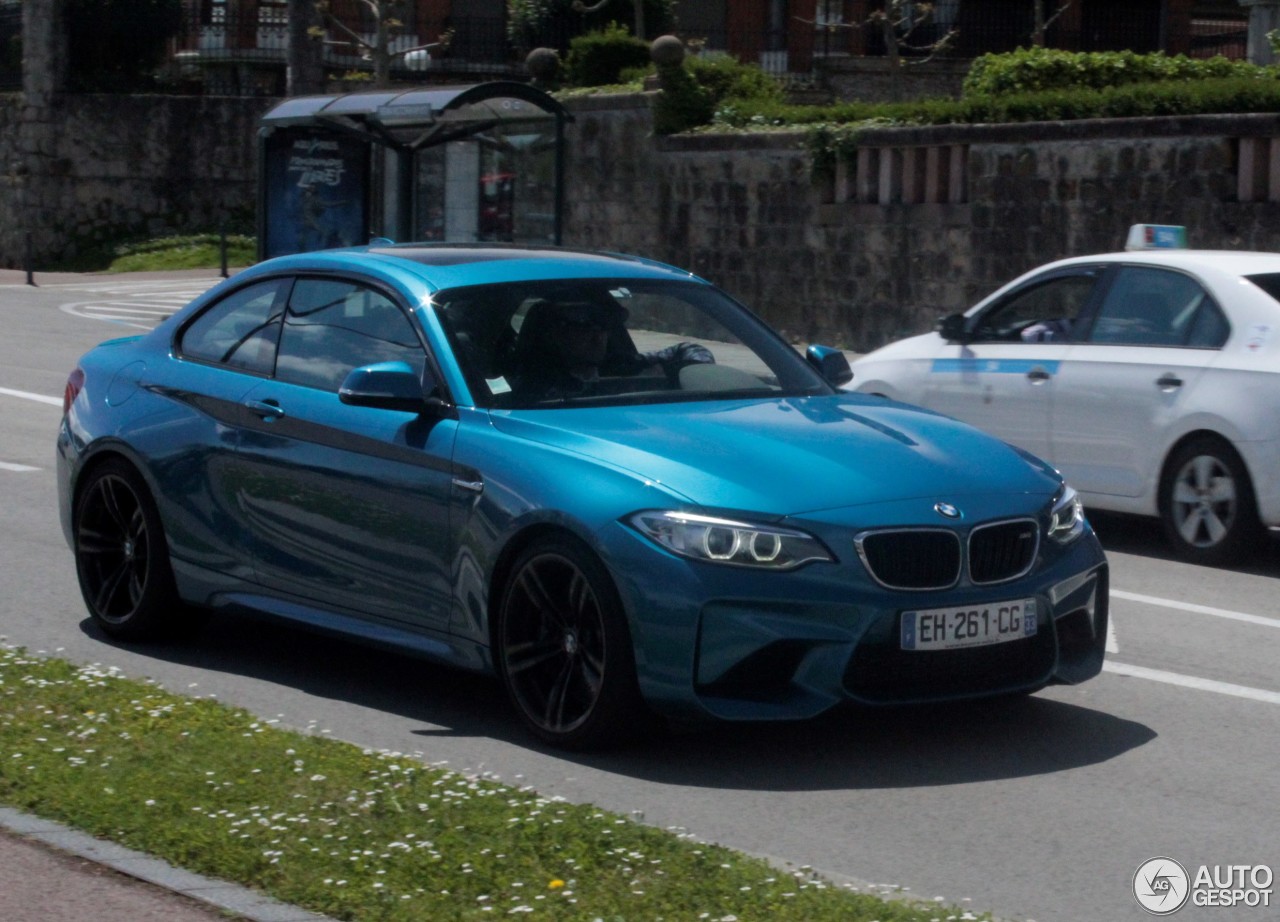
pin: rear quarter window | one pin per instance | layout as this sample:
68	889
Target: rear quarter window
1269	282
241	330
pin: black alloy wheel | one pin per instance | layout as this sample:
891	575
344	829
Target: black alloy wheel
122	560
564	649
1207	504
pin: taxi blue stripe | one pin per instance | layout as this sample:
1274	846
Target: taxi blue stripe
993	366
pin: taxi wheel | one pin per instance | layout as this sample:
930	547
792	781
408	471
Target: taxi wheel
122	558
564	649
1207	504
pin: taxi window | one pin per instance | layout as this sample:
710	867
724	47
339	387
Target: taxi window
1146	306
1039	312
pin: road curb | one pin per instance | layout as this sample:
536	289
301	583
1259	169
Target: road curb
245	903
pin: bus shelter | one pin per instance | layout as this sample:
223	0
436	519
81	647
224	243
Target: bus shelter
453	163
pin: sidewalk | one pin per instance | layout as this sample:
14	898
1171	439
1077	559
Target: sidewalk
50	873
42	279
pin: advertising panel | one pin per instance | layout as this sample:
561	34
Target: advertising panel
316	191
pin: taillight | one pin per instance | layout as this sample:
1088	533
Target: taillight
75	381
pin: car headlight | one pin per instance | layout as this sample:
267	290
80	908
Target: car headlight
730	542
1066	520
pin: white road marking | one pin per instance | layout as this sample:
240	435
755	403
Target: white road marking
1197	609
38	398
1174	678
1186	681
130	309
17	468
136	286
140	304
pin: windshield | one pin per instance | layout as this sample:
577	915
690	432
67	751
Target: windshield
599	341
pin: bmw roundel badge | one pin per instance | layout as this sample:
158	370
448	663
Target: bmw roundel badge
947	510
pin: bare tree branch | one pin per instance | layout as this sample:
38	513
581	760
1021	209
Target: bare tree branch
1042	24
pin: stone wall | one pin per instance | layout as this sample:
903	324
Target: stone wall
98	168
921	222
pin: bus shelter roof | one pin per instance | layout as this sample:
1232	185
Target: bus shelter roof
421	116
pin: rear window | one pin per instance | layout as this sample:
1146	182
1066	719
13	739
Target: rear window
1270	283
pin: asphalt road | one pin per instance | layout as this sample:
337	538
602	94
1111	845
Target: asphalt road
1041	809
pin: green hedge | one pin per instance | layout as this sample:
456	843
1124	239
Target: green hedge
692	90
599	58
725	77
1031	70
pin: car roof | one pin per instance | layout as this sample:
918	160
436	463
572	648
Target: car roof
1232	262
454	265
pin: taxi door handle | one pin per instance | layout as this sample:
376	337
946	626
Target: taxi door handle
1038	375
1168	382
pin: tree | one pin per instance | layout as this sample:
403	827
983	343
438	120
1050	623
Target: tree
1042	23
554	23
387	25
896	22
580	7
304	57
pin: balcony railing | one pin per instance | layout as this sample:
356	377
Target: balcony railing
219	40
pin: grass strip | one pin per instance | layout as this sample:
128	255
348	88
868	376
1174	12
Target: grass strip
358	834
198	251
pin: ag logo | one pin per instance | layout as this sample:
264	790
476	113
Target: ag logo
1161	886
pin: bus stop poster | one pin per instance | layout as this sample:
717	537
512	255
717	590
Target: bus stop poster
316	189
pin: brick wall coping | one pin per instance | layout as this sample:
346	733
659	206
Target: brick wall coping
1235	125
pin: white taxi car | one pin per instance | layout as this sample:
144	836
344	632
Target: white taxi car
1150	378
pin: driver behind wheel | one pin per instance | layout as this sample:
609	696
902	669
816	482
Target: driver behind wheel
565	347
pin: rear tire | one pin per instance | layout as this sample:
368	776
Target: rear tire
1207	504
564	648
122	558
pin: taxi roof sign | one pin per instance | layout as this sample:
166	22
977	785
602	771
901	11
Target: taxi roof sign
1156	237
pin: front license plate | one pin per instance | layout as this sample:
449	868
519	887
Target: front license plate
970	626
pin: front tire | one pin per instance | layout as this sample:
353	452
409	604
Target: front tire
564	649
1207	504
122	559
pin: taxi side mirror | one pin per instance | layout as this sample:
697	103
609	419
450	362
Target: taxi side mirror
952	329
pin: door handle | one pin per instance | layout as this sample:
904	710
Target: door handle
1168	382
1038	375
266	409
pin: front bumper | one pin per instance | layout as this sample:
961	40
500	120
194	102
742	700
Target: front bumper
748	645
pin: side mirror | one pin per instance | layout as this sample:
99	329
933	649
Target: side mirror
952	329
830	363
388	386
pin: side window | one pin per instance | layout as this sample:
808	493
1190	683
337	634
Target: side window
334	326
1158	307
1210	328
241	330
1039	312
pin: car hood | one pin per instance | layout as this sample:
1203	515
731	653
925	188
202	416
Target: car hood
789	456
